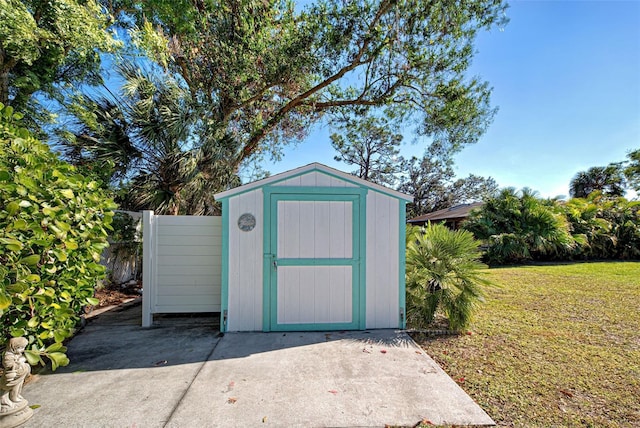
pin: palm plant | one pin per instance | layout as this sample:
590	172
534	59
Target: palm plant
592	232
152	142
520	226
444	274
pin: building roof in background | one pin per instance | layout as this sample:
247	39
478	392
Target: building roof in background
458	211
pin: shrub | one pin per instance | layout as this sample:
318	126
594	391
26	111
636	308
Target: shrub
519	226
443	274
52	233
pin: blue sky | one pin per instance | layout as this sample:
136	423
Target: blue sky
566	79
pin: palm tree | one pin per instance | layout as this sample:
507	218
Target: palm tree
520	226
443	274
609	180
151	142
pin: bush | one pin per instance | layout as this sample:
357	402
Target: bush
519	226
52	233
443	274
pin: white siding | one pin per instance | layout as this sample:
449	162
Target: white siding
301	287
188	264
315	178
382	306
245	264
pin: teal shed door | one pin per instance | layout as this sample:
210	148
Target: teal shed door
315	262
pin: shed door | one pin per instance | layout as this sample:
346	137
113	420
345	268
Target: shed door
315	262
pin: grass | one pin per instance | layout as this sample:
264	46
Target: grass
553	345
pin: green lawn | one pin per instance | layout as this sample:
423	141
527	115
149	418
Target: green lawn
555	345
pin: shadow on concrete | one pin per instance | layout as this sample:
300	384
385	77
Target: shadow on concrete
247	344
115	340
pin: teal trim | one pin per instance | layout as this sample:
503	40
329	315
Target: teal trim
317	262
273	270
267	260
362	244
224	291
355	181
402	263
316	327
305	193
357	196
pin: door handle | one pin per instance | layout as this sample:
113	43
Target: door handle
275	264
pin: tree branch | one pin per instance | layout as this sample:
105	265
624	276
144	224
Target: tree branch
357	61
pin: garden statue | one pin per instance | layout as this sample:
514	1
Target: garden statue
14	408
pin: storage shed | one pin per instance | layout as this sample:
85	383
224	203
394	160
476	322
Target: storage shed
313	248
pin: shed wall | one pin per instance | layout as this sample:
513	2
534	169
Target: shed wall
245	264
246	252
315	178
383	237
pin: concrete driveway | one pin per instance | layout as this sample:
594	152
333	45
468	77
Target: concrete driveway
181	374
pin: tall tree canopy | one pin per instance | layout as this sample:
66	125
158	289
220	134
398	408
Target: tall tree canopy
47	45
431	181
632	170
606	179
371	146
267	70
257	74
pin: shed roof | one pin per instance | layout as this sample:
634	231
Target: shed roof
309	168
458	211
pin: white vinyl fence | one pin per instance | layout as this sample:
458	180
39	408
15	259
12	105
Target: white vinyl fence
182	265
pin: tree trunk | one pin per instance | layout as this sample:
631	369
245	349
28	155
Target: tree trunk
4	79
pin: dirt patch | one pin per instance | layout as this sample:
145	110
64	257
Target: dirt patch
115	295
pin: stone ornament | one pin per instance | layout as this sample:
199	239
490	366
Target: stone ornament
246	222
14	409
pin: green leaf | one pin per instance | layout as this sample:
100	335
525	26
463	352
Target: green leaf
32	278
65	227
5	301
56	347
18	332
59	335
32	357
20	224
71	245
60	255
58	359
45	325
33	322
93	301
67	193
12	244
31	260
5	176
12	208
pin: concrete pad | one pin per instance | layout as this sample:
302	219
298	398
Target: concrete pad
333	379
180	374
121	376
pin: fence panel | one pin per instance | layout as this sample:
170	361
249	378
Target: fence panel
182	267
